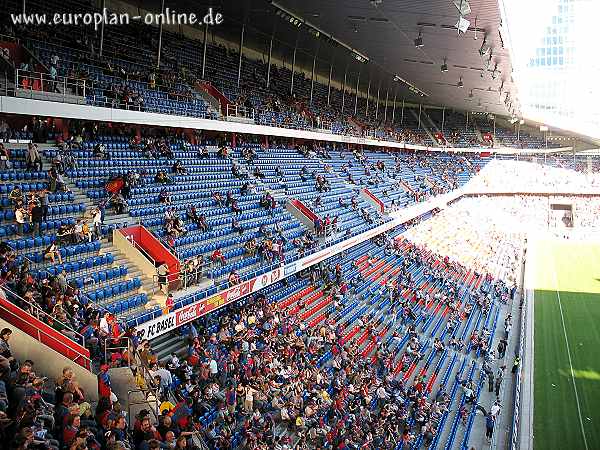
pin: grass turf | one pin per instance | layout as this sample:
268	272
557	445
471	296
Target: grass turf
572	270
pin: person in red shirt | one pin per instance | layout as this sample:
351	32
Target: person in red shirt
104	387
71	428
217	255
169	303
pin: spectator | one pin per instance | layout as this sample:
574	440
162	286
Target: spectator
21	218
33	158
217	256
4	158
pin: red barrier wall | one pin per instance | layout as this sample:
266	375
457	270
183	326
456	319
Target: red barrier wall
16	52
375	199
153	247
43	333
211	90
304	209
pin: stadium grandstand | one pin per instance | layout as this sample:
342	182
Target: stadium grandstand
260	224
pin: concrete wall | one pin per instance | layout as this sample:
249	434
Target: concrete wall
49	363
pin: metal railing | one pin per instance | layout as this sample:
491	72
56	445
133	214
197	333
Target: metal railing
80	359
9	38
152	389
43	316
184	278
234	110
146	401
141	249
126	346
29	82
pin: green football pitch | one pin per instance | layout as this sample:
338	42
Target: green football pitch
567	345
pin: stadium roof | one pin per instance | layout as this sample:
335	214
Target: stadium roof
384	31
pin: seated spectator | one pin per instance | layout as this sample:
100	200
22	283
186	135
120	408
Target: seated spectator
218	199
235	226
203	153
16	197
250	247
233	278
52	253
179	168
163	178
164	197
119	203
217	256
223	152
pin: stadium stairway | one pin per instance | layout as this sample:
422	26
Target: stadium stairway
424	126
147	284
132	300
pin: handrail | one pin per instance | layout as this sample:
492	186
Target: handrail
150	383
80	358
182	275
8	38
516	423
102	102
139	247
154	410
166	245
234	110
28	40
31	263
48	84
39	312
128	347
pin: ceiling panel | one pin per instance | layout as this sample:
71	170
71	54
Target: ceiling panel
386	33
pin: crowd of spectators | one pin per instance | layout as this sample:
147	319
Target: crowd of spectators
36	412
499	176
260	372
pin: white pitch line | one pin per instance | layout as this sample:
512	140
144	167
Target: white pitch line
569	354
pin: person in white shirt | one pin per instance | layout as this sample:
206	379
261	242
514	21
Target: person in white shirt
20	218
174	362
97	221
212	365
78	230
495	409
104	326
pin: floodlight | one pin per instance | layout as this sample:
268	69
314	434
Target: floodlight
463	7
462	25
419	40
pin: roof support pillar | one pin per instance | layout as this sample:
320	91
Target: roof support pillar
356	94
329	84
344	89
269	59
402	116
160	31
387	96
377	107
368	95
312	75
241	52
